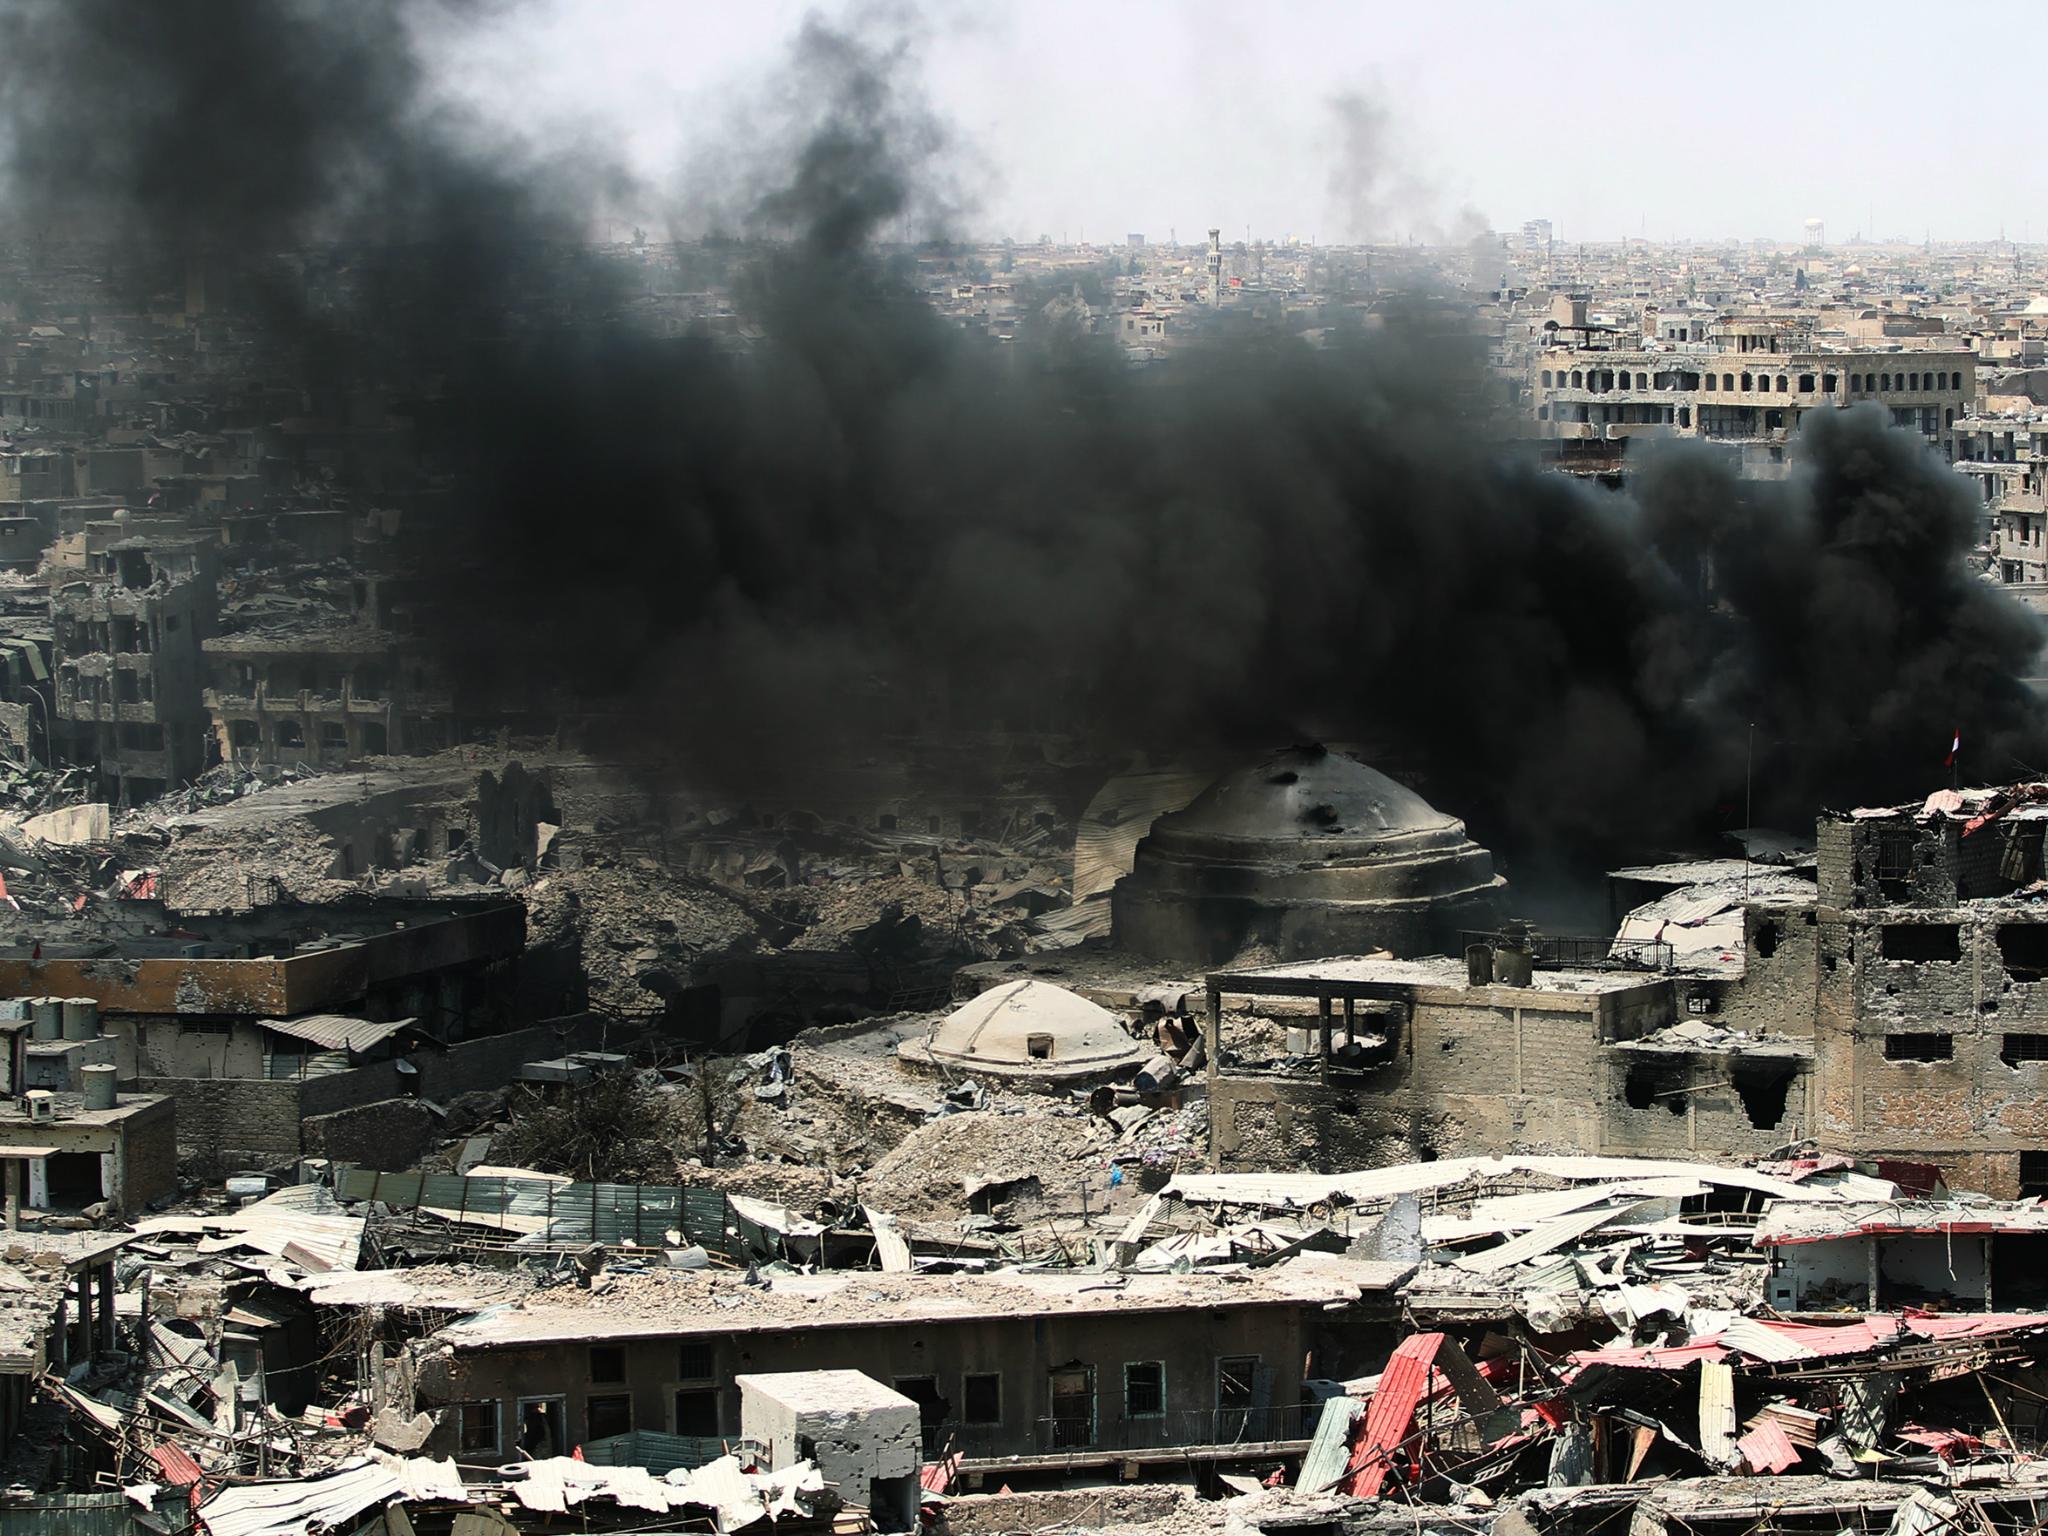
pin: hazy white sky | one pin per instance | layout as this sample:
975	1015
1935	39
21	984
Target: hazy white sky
1735	119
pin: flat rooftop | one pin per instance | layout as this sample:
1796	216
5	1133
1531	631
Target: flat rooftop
276	932
668	1304
1440	971
1696	871
71	1111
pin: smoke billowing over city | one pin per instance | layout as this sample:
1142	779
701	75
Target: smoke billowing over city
646	686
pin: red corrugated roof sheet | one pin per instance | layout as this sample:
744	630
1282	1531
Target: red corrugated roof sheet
937	1476
1874	1332
1390	1414
1656	1357
1767	1448
179	1469
1972	1325
1945	1443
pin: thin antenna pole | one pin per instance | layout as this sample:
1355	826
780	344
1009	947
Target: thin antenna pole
1749	779
1748	825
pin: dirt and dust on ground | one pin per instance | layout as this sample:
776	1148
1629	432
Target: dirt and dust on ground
846	1103
850	1122
1158	1509
640	928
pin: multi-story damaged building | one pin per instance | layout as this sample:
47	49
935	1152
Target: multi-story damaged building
2008	458
1747	382
1896	1008
1017	1364
323	695
128	637
1929	959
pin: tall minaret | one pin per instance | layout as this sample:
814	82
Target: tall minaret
1215	269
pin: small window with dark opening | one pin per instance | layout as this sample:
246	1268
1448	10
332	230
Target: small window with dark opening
1922	942
2024	949
981	1397
2015	1050
607	1362
609	1415
696	1412
1765	943
1895	854
2033	1175
1924	1046
478	1429
693	1361
1038	1047
1145	1390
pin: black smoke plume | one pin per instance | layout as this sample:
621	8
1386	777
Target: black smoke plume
846	521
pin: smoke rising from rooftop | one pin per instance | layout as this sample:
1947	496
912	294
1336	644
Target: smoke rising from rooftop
848	519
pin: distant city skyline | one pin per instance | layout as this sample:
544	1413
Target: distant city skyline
1342	123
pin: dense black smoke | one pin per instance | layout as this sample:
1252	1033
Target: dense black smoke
861	521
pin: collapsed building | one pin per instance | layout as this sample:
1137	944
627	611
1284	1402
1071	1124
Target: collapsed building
1885	1007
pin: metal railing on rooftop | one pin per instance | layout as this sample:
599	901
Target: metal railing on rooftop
1580	952
1051	1436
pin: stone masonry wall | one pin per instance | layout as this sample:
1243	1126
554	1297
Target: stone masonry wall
1933	1058
233	1120
392	1135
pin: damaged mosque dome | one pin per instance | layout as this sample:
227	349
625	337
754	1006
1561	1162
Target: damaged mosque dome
1306	852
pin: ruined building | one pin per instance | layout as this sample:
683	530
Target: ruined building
1306	852
128	662
1895	1008
1750	379
1928	965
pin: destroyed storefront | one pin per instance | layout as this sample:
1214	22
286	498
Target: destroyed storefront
1017	1364
1350	1062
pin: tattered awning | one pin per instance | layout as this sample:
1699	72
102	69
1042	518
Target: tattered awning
330	1502
336	1032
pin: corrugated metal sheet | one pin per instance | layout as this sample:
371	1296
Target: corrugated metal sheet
1106	837
1282	1191
1329	1449
303	1223
1515	1212
1717	1412
1767	1448
304	1504
336	1031
1983	1325
1800	1425
543	1211
68	1514
1391	1413
179	1469
658	1453
1655	1357
1551	1235
1761	1342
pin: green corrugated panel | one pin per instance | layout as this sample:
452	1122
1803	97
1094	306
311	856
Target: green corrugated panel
575	1213
658	1453
1329	1451
68	1514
